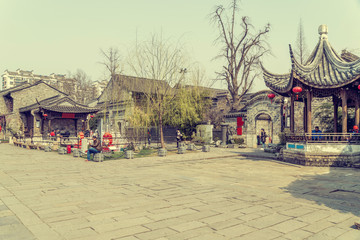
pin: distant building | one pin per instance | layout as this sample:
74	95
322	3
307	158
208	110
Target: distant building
12	79
99	87
33	110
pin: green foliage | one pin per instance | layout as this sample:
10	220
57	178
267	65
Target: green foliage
93	122
325	114
187	109
282	137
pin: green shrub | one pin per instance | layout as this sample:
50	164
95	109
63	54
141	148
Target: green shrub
239	140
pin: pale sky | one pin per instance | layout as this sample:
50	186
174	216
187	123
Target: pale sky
57	36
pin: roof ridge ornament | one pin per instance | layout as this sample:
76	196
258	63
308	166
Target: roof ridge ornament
323	31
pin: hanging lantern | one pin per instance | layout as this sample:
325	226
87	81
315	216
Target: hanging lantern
271	96
45	115
359	86
92	116
297	90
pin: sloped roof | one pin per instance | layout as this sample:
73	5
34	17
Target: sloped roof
324	69
141	85
27	85
137	84
61	104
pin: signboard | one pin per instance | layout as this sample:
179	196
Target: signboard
68	115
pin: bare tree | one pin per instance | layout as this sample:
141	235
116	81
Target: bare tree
111	61
301	50
83	83
159	59
242	50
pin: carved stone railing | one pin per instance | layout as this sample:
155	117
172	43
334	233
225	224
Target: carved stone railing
353	138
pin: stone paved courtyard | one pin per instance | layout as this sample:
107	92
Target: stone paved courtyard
215	195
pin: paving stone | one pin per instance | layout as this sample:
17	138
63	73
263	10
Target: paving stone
288	226
236	231
177	197
267	221
158	233
351	234
329	233
261	234
298	234
318	226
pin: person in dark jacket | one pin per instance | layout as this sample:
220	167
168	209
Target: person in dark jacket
94	148
263	137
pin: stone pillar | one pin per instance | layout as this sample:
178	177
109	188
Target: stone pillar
292	111
344	110
336	106
36	127
224	127
309	96
357	112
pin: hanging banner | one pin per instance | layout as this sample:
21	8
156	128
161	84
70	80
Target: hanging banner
68	115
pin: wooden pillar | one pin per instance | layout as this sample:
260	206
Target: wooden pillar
357	112
76	130
309	96
49	125
336	106
292	111
344	110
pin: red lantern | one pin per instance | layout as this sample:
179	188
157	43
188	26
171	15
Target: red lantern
297	90
271	96
359	87
91	116
45	115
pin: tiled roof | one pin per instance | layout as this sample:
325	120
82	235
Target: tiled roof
61	104
27	85
324	69
142	85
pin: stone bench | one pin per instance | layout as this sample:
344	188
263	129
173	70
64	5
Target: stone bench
98	157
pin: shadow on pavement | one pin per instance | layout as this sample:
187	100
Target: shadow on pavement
339	189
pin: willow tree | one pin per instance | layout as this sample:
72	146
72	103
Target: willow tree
242	48
164	62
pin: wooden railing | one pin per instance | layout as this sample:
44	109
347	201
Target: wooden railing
324	137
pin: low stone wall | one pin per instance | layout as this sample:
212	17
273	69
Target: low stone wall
320	159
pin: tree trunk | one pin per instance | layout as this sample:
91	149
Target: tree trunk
235	103
161	131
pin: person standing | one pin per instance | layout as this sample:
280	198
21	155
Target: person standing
263	137
149	136
94	148
178	138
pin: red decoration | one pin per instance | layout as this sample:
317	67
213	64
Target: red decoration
45	115
359	87
240	123
107	137
271	96
0	128
68	115
297	90
91	116
68	149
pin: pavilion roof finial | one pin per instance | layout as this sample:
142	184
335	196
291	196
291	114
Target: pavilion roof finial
323	31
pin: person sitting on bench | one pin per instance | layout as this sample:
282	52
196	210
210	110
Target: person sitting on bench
94	148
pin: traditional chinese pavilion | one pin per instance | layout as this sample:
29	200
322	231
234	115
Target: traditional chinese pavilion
324	74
